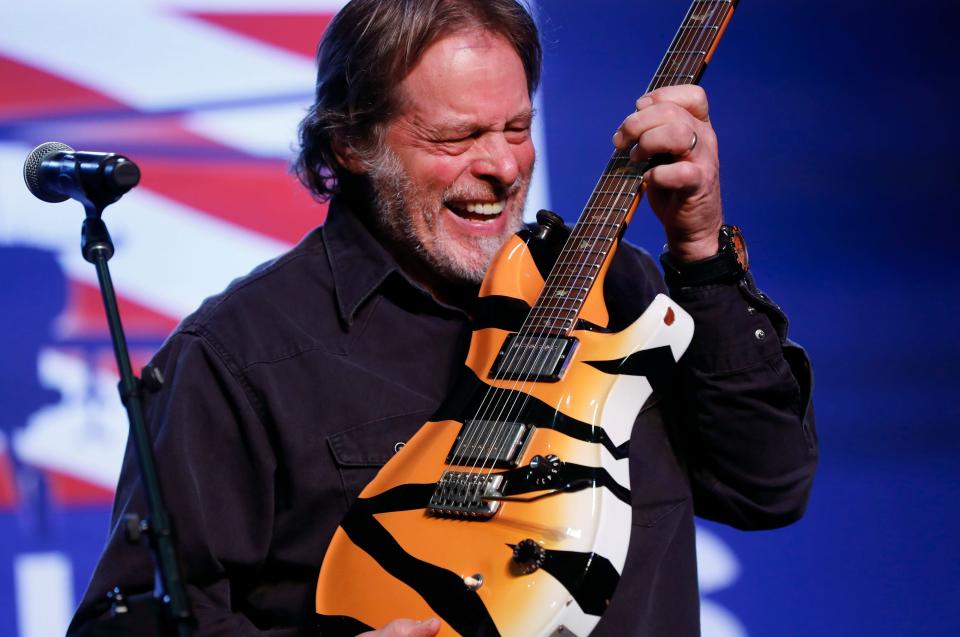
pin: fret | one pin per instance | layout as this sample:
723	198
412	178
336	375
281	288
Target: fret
565	302
579	286
630	172
580	256
596	229
591	266
562	322
703	10
552	309
585	251
600	191
685	59
619	158
557	275
601	213
549	325
575	294
671	77
705	15
681	63
556	310
583	243
606	208
587	222
610	201
553	289
618	200
620	165
623	189
619	186
549	330
582	266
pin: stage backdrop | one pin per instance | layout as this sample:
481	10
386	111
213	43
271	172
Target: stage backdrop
837	132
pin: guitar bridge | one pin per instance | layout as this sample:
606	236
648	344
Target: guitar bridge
461	494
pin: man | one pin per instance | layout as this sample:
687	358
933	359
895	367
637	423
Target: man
284	394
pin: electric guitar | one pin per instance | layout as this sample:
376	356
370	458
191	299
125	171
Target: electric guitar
509	513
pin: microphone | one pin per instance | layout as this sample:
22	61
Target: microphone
54	172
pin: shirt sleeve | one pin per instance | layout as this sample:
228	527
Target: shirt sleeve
216	467
746	407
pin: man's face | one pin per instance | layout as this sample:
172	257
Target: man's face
452	177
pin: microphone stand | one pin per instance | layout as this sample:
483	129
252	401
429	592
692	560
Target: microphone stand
176	616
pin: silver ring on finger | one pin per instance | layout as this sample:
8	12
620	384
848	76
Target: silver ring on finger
693	143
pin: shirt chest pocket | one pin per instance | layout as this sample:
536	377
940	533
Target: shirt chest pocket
360	451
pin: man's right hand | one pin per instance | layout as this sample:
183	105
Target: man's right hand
406	628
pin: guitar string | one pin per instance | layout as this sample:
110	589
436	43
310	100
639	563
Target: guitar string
681	43
686	49
616	212
687	44
540	316
537	314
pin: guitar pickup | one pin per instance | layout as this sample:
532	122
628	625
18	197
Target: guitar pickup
533	358
490	442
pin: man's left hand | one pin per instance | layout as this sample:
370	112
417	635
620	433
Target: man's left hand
684	194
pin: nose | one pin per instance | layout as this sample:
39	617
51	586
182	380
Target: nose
496	160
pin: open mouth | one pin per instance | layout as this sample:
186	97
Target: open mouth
476	211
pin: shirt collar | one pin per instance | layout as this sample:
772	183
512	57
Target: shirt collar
359	263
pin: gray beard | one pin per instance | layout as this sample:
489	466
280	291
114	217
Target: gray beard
396	199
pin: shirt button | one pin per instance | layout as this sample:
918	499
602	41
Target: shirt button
760	334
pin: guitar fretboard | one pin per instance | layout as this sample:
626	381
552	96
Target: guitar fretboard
618	190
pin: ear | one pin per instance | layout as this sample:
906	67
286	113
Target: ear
348	157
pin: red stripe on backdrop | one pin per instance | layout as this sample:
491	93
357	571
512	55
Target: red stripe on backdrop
29	92
260	195
66	490
296	32
133	134
84	316
8	483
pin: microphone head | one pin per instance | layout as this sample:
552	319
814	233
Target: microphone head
31	170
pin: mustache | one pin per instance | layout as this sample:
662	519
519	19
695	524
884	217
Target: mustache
494	191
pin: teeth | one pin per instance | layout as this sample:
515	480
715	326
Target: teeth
484	208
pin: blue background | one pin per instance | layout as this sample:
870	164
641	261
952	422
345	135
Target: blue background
837	129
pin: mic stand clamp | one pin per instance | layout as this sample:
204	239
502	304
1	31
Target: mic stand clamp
176	617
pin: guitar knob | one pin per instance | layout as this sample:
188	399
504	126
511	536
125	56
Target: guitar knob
543	470
528	556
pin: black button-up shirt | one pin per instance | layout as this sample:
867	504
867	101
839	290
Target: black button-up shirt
285	393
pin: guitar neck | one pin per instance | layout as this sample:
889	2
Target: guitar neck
619	188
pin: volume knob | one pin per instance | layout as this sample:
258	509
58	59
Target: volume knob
543	470
528	555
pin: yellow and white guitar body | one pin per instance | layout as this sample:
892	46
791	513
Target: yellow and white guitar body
534	542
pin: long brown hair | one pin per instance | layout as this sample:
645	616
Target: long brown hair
367	50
